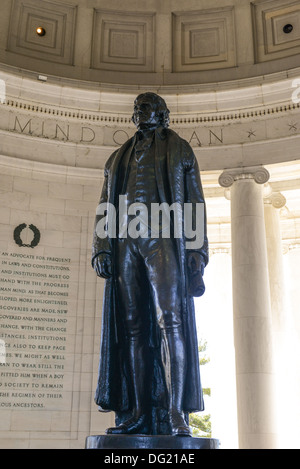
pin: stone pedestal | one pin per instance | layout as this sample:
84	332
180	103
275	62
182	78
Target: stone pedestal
132	442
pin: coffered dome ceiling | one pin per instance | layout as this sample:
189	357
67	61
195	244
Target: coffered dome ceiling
151	42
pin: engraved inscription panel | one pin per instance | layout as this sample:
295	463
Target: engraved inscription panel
37	329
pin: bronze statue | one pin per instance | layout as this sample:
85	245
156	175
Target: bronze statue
149	368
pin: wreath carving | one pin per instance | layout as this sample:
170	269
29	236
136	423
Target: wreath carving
36	238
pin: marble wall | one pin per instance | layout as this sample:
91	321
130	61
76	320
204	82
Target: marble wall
50	305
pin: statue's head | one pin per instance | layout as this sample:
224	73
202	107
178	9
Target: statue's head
150	110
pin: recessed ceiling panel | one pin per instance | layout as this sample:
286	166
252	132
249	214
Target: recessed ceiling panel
123	41
57	19
203	40
276	29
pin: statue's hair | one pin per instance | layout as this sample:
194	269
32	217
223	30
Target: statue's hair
161	108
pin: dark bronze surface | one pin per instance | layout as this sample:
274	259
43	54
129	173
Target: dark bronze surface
149	368
150	442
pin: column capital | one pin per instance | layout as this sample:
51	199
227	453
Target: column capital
260	175
276	199
219	249
291	246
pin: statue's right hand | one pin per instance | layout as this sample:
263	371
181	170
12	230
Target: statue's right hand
103	265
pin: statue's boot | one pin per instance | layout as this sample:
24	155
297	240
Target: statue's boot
178	424
139	422
133	426
175	370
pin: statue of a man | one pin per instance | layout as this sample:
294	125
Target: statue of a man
149	368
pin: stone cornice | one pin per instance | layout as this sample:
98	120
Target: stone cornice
227	128
238	100
199	130
181	120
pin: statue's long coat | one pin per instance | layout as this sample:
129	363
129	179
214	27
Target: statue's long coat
178	179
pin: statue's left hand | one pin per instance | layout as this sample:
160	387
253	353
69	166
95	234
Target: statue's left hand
195	262
196	266
103	265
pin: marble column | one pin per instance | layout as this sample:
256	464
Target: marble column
293	263
290	400
217	302
251	309
273	202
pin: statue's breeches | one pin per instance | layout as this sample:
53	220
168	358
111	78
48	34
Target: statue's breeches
148	265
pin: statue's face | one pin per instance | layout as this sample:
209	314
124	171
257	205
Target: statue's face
145	112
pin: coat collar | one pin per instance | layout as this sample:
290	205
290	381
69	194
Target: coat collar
160	131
